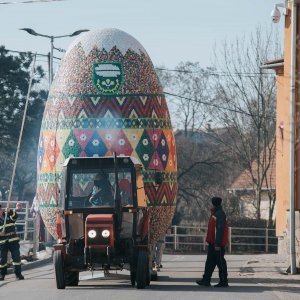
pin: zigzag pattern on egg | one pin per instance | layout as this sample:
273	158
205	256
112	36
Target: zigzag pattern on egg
128	106
88	115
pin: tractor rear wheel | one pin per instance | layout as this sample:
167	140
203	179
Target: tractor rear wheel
59	269
142	269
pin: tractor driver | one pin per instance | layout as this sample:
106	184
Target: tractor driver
102	191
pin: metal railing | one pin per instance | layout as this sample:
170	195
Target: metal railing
240	240
178	239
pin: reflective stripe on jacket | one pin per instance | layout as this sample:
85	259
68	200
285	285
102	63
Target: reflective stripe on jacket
8	231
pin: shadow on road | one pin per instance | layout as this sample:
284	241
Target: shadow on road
249	288
167	284
232	289
239	280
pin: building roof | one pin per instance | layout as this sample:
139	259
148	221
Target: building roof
274	61
275	64
244	181
204	134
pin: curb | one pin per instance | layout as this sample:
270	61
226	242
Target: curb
32	265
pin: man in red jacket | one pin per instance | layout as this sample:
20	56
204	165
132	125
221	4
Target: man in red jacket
217	239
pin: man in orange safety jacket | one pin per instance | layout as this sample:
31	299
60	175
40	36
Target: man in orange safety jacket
9	241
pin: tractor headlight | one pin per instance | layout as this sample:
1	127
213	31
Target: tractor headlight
92	233
105	233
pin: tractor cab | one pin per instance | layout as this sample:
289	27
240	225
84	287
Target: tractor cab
103	220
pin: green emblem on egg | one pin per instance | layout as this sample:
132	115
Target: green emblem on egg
107	77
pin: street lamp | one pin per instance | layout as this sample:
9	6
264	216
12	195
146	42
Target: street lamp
51	37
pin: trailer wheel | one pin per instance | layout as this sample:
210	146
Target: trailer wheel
141	272
59	269
132	277
72	278
154	276
148	277
133	263
149	268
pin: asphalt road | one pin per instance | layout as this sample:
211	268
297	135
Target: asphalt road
250	277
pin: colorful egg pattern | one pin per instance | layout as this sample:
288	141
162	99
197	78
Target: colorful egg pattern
105	98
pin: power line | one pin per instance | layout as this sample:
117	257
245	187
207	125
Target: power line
28	2
45	61
31	53
205	73
239	111
209	104
170	70
23	52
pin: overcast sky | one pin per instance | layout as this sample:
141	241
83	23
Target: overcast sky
170	30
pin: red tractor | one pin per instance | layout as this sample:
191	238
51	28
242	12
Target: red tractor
103	221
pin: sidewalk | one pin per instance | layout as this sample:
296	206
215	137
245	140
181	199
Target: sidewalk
256	276
43	257
270	265
269	271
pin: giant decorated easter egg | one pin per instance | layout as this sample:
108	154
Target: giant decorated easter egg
106	97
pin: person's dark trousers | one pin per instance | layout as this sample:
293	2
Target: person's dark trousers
215	258
14	249
3	258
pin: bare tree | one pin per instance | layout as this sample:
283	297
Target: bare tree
247	97
203	165
203	171
190	82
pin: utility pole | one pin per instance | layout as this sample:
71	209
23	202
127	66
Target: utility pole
49	68
292	136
